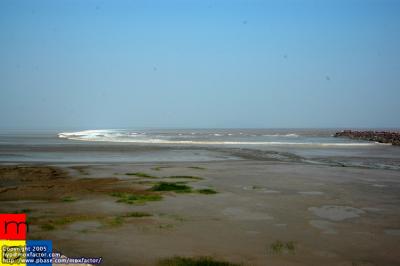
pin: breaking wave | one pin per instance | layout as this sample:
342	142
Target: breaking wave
207	138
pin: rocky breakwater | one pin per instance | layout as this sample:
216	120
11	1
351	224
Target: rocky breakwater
377	136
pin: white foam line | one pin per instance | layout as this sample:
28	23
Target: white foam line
281	135
160	141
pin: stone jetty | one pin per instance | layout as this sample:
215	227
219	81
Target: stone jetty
377	136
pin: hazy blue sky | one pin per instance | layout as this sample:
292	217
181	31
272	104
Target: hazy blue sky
126	64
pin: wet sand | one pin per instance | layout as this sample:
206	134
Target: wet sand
327	215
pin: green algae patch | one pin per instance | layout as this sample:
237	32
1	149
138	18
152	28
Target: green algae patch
68	199
137	214
184	177
278	247
135	198
172	186
207	191
197	168
142	174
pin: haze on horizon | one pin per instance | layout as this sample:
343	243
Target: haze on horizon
193	64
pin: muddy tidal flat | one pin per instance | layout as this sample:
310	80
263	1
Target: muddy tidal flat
243	212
